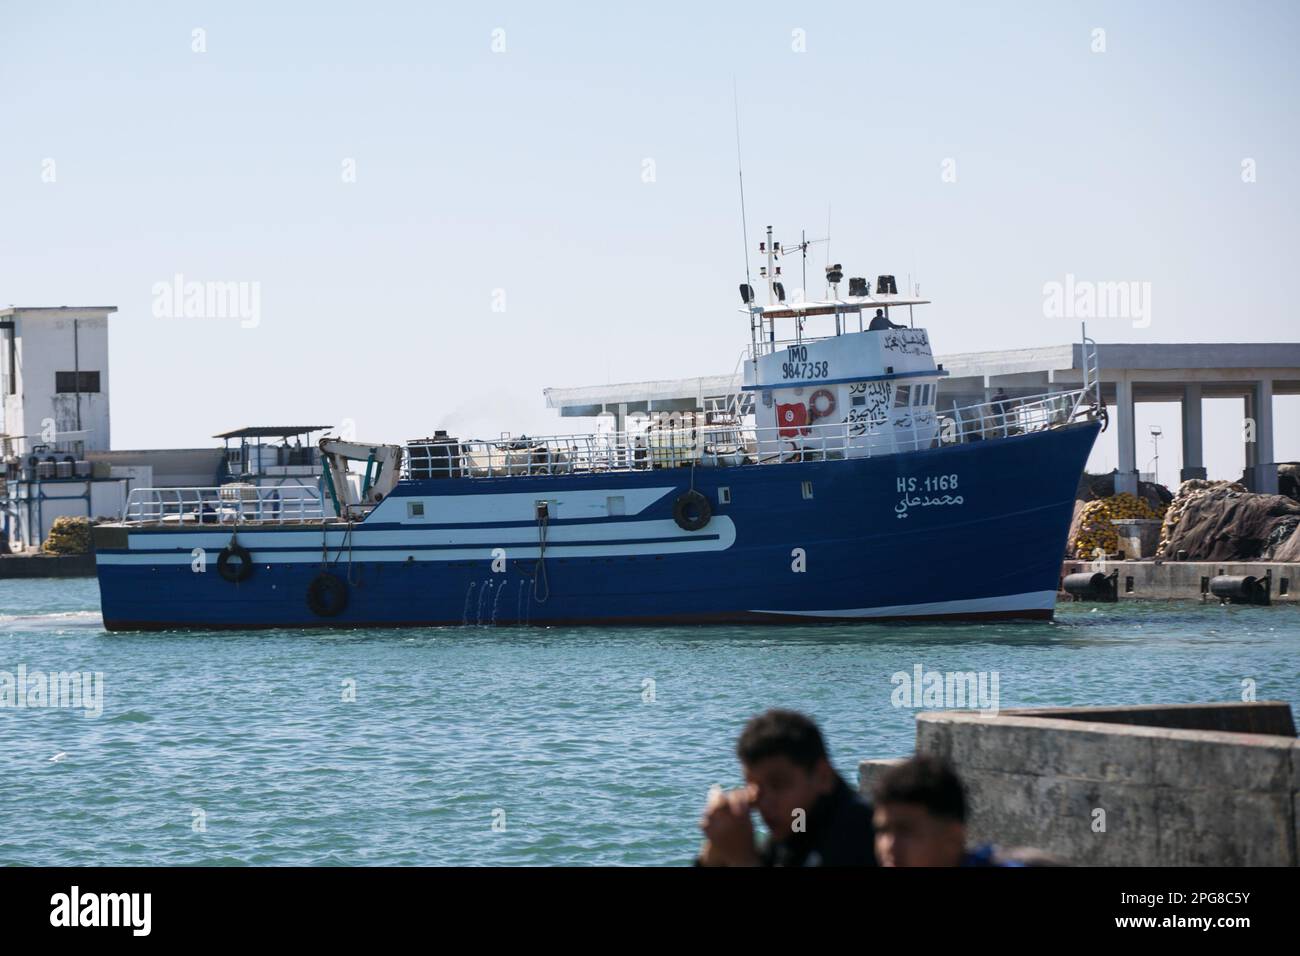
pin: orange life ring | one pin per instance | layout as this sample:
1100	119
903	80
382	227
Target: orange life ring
815	410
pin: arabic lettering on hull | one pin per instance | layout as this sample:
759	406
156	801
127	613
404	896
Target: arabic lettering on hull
921	420
925	501
907	341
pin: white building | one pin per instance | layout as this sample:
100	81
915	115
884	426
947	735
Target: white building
54	376
55	436
54	383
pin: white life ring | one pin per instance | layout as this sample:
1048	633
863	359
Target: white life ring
822	403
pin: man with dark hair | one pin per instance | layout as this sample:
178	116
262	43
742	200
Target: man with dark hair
920	820
881	322
812	816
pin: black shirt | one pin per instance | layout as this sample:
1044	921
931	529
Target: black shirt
838	833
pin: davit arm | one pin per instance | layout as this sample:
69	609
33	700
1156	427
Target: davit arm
383	469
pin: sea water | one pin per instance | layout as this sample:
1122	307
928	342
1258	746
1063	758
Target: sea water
507	745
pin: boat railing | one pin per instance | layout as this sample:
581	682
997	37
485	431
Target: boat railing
224	505
1005	417
1091	391
684	441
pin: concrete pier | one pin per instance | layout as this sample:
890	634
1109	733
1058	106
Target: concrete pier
1164	785
1189	580
1193	435
47	566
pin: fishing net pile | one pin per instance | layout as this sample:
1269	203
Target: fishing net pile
1095	529
68	535
1097	488
1188	492
1222	521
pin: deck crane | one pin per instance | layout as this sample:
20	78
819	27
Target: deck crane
383	469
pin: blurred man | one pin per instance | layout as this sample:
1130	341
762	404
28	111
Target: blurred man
881	322
920	820
813	817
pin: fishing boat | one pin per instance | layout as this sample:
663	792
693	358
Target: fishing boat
834	488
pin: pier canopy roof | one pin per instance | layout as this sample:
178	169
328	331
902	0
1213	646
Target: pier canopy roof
272	431
1159	371
668	395
7	313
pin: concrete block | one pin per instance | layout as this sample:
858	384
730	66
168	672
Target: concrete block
1295	767
1209	760
1295	829
869	771
1138	537
1255	717
1217	828
1175	786
1039	747
1057	814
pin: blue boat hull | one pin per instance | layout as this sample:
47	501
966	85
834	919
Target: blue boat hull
965	531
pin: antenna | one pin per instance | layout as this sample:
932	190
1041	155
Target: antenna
804	243
828	233
803	247
740	173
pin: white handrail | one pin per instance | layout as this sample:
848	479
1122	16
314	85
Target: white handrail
1091	362
733	444
223	505
705	445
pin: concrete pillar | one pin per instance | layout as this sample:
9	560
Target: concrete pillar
1126	431
1248	415
1265	475
1193	437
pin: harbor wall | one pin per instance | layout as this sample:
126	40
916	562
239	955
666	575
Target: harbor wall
47	566
1193	785
1188	580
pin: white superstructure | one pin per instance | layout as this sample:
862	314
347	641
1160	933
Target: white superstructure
54	378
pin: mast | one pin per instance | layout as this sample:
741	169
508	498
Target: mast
755	333
771	276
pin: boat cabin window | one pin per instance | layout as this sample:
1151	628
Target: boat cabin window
902	396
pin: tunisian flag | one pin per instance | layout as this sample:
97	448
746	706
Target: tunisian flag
791	419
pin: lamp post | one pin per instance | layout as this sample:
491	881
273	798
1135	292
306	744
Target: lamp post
1156	433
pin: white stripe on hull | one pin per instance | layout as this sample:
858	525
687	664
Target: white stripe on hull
215	539
1029	601
516	506
475	544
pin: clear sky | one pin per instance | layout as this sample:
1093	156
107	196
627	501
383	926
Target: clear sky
445	207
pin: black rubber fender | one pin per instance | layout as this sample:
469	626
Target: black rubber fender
327	595
238	572
692	511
